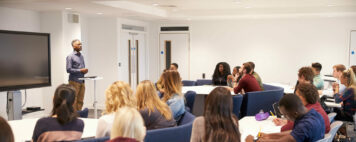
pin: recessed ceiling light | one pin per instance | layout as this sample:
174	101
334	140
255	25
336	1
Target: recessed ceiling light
155	4
99	13
68	8
331	5
237	1
189	19
247	7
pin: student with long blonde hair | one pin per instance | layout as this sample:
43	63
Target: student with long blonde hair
172	86
155	112
348	97
128	126
118	94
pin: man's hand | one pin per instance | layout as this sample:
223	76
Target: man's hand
279	122
230	77
335	87
249	138
84	70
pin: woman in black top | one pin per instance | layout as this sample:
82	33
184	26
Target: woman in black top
222	70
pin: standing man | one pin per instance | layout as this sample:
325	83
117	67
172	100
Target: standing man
76	69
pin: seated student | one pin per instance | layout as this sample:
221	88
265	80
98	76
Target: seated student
118	94
258	78
305	75
63	124
174	66
222	70
347	98
353	68
308	124
6	134
317	80
235	76
337	72
128	126
155	113
309	96
159	83
218	124
248	83
172	88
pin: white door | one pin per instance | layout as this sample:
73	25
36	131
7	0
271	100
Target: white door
352	48
132	62
175	49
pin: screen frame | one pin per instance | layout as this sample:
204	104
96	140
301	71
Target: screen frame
19	87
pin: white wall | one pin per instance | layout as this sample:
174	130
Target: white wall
102	36
20	20
278	46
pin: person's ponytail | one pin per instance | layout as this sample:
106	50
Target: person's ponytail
63	113
63	104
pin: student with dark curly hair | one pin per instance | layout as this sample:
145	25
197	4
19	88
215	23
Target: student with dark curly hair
222	70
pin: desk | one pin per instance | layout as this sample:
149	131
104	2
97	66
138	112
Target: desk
23	129
199	101
250	126
287	88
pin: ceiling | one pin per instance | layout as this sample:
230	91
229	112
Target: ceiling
152	10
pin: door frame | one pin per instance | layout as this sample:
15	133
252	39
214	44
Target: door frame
160	49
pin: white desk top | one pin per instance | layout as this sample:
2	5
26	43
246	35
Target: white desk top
250	126
287	88
201	90
23	129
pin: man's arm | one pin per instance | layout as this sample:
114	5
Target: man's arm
239	87
275	135
286	138
69	66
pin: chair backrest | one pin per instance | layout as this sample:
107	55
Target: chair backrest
83	113
253	102
325	139
334	127
103	139
190	98
270	87
181	133
204	82
331	116
188	83
237	101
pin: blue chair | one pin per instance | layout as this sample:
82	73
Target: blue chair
83	113
201	82
190	98
253	102
188	83
103	139
181	133
236	103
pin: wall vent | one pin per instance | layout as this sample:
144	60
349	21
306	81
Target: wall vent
132	28
184	28
73	18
